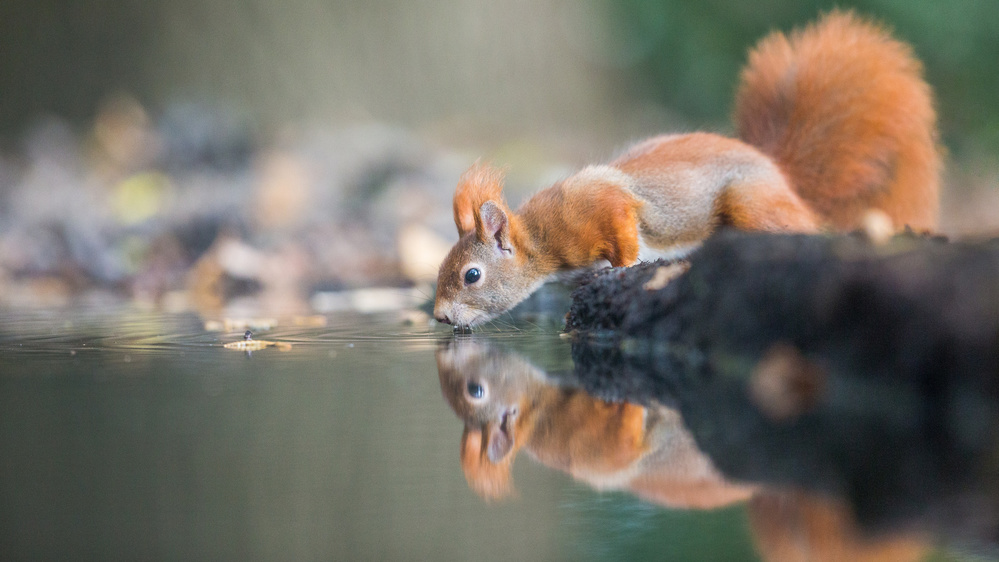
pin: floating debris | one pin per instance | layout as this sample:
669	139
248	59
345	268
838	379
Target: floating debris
256	345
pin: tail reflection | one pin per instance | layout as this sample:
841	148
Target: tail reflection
794	525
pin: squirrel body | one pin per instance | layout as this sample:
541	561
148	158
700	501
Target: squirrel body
834	122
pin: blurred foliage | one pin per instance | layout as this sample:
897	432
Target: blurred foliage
686	55
577	64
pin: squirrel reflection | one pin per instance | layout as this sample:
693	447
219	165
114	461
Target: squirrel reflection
508	404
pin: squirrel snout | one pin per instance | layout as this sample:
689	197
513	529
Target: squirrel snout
439	312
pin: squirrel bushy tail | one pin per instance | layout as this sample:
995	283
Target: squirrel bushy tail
843	109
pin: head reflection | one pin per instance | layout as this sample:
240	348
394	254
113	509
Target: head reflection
507	404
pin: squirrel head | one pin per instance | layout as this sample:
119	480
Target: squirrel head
486	273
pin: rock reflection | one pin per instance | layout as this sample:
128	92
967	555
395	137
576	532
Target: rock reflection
641	446
796	525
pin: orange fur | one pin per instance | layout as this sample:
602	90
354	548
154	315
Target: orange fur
478	184
551	219
580	434
792	526
835	122
757	207
568	430
843	108
609	445
765	202
489	480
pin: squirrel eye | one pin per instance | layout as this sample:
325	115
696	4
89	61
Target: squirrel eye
475	389
472	275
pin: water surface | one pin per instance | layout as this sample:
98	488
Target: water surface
135	435
128	434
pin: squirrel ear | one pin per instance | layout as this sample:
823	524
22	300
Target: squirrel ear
480	183
493	224
500	441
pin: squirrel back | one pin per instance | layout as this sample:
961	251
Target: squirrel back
842	107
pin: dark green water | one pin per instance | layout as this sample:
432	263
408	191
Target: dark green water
134	436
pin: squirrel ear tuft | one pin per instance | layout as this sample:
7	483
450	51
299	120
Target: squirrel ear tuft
491	480
480	183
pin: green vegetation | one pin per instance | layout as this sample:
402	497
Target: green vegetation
686	54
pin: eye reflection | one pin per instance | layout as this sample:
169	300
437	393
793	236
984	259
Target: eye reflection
472	275
475	389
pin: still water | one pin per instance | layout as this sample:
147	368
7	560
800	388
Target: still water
133	435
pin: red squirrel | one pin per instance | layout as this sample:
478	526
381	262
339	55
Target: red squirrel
834	121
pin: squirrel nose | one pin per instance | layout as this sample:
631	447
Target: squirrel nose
440	312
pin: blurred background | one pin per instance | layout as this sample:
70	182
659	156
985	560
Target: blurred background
189	154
